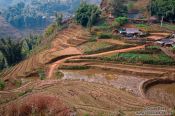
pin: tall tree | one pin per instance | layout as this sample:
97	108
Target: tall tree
164	9
59	18
87	14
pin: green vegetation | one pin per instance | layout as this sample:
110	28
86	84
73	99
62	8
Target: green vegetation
41	74
121	113
86	115
87	14
151	55
18	83
173	49
10	51
121	20
105	36
169	26
163	9
94	47
145	26
25	92
102	27
74	67
2	84
50	30
130	5
118	8
31	14
98	47
59	18
93	38
59	75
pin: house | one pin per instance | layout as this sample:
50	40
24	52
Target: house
166	42
130	31
153	19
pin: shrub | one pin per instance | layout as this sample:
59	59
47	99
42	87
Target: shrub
50	30
18	83
2	84
25	92
87	14
116	37
59	75
93	39
121	20
173	49
37	105
41	74
115	24
105	36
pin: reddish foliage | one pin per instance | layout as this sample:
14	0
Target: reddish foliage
38	104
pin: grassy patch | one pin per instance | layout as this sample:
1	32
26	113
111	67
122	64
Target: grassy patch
93	39
25	92
41	74
59	75
92	47
117	37
173	49
150	55
18	83
169	26
105	36
99	47
74	67
142	26
2	84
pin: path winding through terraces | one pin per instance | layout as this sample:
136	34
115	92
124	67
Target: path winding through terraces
53	67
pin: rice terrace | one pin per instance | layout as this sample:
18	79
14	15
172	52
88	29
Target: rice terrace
111	58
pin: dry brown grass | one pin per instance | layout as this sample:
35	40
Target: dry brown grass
39	105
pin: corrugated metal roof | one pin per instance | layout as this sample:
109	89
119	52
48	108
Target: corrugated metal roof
132	30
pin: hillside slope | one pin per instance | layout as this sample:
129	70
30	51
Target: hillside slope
6	30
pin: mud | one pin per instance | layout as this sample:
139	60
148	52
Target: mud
124	82
162	93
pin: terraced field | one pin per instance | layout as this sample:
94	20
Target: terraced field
98	88
62	48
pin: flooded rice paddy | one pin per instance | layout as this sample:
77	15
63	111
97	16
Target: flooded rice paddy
121	81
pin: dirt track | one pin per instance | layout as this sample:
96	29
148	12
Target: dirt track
74	50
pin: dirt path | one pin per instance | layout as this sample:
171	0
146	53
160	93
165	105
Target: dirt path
56	64
117	51
72	50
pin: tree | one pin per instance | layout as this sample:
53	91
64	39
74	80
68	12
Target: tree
87	14
117	8
59	18
164	9
25	48
11	51
121	20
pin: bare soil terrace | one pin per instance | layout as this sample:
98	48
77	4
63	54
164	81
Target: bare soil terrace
105	88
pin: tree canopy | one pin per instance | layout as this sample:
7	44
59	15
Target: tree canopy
163	8
87	14
117	7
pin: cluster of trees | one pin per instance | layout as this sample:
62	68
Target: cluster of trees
164	9
32	15
13	52
118	8
87	14
22	16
